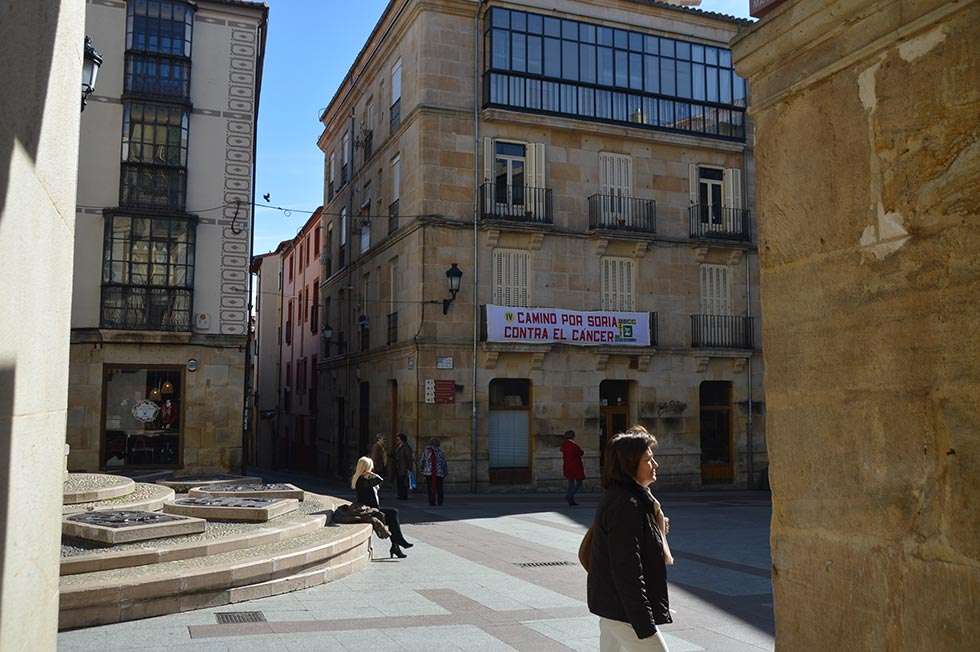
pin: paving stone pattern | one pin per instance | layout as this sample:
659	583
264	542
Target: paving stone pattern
462	587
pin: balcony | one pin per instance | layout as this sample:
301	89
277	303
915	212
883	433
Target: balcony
516	203
393	217
152	186
721	331
718	223
619	213
395	115
392	328
146	308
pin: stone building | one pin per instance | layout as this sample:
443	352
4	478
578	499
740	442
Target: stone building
867	121
581	158
163	234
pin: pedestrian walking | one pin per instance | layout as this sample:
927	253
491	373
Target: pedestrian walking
365	482
627	558
402	464
379	453
572	469
435	469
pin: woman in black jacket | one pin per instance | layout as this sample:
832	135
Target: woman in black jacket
365	482
627	585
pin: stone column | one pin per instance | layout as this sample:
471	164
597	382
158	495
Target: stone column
40	95
868	155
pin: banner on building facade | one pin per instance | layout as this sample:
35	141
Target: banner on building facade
575	327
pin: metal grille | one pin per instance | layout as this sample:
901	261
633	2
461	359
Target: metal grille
541	564
234	617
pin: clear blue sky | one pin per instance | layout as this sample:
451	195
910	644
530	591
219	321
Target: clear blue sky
311	44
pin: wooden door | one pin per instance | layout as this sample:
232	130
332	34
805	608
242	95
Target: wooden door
613	420
717	458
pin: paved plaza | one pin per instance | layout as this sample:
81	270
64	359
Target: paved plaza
495	573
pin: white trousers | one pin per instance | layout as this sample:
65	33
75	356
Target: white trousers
615	636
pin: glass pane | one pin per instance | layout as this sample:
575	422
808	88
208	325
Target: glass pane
650	44
666	113
667	76
697	53
651	83
649	111
587	63
552	27
636	71
635	113
605	36
606	66
569	96
500	17
683	50
738	91
621	38
552	57
518	48
586	33
712	79
569	60
533	94
725	58
622	68
142	417
711	56
534	54
569	29
498	89
619	107
516	92
666	47
501	49
549	96
636	42
518	20
684	78
534	23
725	85
697	81
586	102
603	105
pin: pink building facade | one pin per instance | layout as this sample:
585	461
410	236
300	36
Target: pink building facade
300	328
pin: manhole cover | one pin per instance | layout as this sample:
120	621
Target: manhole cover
234	617
541	564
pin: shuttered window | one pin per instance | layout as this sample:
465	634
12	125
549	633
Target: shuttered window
716	291
617	284
511	268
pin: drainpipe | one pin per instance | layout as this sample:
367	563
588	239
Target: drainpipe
749	448
477	86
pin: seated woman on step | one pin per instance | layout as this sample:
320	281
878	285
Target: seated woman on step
365	482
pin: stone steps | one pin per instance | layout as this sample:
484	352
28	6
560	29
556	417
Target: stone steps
143	497
244	573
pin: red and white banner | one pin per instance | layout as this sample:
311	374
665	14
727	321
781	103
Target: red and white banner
575	327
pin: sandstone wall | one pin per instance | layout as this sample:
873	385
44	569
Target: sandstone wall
867	151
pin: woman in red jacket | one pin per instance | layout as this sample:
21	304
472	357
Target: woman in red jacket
572	468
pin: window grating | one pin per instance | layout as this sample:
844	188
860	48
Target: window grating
155	134
148	273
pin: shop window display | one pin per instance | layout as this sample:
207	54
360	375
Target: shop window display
142	408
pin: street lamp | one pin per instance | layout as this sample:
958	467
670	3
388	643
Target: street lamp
90	70
454	275
326	332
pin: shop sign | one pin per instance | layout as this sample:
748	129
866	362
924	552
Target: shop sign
444	362
574	327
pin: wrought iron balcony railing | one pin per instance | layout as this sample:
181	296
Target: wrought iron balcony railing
718	223
516	203
152	186
146	308
721	331
622	213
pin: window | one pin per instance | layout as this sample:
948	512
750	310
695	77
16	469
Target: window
615	186
709	196
365	233
511	268
315	308
509	428
345	158
617	283
396	94
328	251
289	324
289	266
143	416
574	56
716	297
157	75
333	176
396	182
154	155
316	241
509	162
148	273
342	253
161	26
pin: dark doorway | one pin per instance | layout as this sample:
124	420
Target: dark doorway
364	420
716	432
614	412
509	431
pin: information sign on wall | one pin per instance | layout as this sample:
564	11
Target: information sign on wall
445	391
575	327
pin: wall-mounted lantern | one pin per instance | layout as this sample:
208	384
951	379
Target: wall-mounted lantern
454	275
90	70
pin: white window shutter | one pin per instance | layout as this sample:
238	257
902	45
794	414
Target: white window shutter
510	277
627	285
736	196
715	290
538	180
616	284
727	195
692	182
488	159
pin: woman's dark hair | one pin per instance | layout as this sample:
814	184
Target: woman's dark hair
623	454
403	437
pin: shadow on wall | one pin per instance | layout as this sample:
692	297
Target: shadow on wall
27	32
7	378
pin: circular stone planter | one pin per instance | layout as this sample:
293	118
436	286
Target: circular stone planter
90	487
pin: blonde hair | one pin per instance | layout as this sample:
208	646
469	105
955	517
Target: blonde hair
364	465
